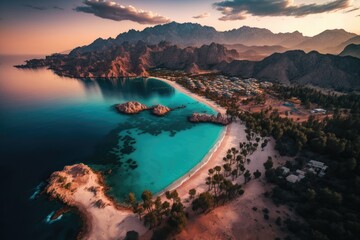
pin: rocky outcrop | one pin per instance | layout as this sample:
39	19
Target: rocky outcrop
131	107
160	110
218	119
80	187
62	184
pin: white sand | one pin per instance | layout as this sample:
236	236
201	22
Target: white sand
193	95
108	222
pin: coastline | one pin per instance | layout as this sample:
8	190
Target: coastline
202	99
113	219
205	160
231	135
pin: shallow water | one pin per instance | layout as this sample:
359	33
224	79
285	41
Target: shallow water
48	122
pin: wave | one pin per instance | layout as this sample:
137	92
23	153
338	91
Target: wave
49	220
37	190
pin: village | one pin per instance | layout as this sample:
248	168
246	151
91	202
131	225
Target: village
252	95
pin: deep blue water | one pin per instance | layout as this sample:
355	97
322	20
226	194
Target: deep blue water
47	122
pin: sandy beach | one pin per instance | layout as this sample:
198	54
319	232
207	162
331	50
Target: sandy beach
193	95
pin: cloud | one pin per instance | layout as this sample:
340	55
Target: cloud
203	15
42	8
352	10
117	12
35	7
58	8
241	9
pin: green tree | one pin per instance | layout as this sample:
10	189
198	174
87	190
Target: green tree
205	202
268	164
192	193
247	176
146	196
257	174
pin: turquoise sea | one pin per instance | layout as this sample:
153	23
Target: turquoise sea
48	122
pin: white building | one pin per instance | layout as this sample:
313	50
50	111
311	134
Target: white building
292	178
317	167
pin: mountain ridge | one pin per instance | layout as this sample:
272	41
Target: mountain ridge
194	34
351	50
136	59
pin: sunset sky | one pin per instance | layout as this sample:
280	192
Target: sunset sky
48	26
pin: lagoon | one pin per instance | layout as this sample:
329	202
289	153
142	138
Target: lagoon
48	122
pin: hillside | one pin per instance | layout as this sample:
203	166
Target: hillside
351	50
298	67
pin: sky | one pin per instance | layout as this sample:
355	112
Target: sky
49	26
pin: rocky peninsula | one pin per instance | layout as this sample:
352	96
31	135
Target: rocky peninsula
80	187
218	119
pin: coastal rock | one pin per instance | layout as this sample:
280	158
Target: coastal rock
63	183
160	110
218	119
80	187
131	107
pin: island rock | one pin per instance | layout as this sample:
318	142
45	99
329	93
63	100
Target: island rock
218	119
131	107
160	110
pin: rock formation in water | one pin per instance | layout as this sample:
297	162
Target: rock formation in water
131	107
160	110
218	119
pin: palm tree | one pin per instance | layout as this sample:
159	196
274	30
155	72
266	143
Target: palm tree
217	169
146	196
234	174
227	169
209	182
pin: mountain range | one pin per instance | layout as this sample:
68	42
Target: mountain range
298	67
136	59
192	34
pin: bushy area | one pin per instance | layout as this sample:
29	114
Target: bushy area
330	205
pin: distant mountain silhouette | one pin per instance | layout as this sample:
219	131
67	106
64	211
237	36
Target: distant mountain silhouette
325	41
193	34
351	50
340	47
255	53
